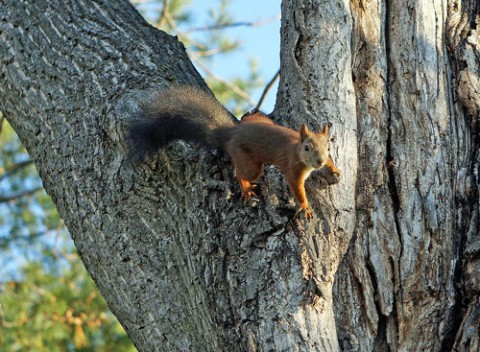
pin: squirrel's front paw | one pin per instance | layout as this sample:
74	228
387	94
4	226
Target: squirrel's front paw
247	195
305	209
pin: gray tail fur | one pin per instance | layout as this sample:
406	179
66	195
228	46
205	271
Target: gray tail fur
181	112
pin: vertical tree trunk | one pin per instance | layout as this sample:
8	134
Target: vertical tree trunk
316	86
182	263
406	283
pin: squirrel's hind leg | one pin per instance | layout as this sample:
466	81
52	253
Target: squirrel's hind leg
246	169
246	174
247	190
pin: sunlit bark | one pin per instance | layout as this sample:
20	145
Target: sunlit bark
390	260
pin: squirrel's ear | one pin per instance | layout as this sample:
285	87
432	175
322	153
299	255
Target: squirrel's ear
304	132
325	130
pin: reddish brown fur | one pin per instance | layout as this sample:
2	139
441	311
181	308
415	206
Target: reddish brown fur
190	114
258	140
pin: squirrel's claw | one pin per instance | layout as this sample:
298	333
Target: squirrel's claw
307	210
247	195
247	191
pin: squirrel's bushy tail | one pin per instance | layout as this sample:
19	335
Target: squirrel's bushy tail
180	112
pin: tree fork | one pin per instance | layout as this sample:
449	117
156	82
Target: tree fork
182	264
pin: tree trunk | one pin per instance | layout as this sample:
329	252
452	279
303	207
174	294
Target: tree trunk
407	283
182	263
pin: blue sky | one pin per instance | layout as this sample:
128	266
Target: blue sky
259	42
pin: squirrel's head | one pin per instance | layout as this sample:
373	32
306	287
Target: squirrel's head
313	148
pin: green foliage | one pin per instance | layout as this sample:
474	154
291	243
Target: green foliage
49	304
29	222
57	308
26	211
207	42
232	94
216	39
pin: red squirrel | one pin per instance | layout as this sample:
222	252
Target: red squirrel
190	114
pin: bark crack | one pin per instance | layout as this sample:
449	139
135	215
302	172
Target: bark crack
391	162
468	203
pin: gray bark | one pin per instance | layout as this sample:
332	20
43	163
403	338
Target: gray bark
406	283
316	86
182	263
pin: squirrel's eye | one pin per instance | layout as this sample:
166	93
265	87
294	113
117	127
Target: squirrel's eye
306	147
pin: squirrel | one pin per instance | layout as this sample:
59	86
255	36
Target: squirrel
193	115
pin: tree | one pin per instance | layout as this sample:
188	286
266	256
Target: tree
408	277
181	263
47	300
25	212
31	232
57	308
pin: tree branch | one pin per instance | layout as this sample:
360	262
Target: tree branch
241	93
267	89
15	168
19	195
25	238
2	118
232	25
165	13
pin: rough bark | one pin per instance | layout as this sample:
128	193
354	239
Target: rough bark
182	263
406	283
321	91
